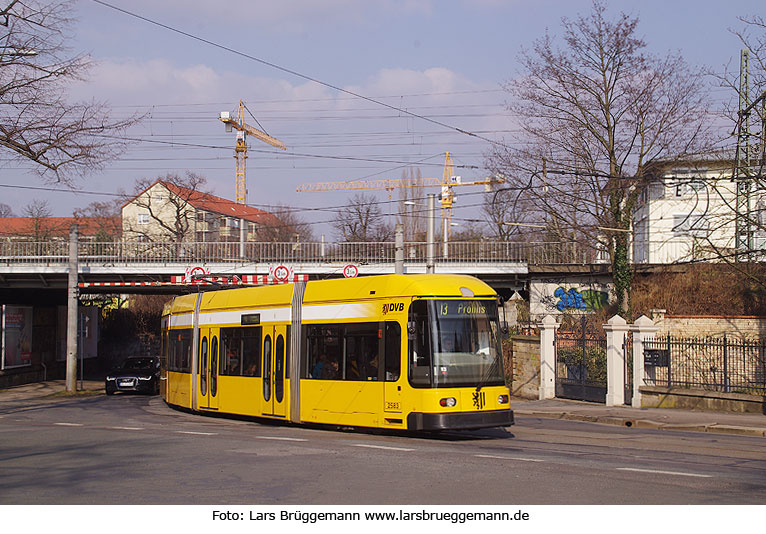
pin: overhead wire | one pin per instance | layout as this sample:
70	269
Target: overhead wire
296	73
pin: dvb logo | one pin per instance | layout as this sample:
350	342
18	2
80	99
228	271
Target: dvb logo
393	307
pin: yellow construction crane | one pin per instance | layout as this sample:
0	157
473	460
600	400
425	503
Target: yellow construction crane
446	182
240	150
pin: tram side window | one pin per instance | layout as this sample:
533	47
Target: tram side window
287	353
241	351
180	346
343	352
324	352
393	351
362	349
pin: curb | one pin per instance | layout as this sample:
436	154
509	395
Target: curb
648	423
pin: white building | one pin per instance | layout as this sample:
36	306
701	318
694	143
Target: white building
687	212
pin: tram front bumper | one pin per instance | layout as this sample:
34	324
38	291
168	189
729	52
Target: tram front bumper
459	420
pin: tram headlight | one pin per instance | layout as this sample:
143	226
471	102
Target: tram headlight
449	402
502	399
144	377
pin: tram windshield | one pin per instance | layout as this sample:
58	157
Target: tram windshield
454	343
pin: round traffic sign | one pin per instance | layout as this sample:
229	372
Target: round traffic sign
281	273
350	271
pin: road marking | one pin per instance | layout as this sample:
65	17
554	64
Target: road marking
276	438
125	428
68	424
197	433
508	458
663	472
382	447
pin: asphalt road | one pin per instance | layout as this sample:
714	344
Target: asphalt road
129	449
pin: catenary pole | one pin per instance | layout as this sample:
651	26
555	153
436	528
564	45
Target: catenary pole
71	322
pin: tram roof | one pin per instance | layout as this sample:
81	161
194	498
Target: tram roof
341	290
393	285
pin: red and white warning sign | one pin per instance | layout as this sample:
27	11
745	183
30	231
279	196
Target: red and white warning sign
192	272
350	271
281	273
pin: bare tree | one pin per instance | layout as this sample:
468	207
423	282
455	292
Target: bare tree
103	217
37	122
469	231
598	109
41	227
509	215
749	162
362	220
284	224
6	210
168	205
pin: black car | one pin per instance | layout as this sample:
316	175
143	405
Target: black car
140	374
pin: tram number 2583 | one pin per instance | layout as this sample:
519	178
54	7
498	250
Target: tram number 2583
393	406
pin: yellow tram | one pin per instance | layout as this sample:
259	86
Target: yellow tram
415	352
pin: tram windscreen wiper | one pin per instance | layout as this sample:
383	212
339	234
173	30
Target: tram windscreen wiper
485	376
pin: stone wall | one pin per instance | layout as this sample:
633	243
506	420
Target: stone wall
691	399
525	381
748	327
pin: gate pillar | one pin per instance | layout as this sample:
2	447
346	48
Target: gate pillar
616	330
642	329
548	357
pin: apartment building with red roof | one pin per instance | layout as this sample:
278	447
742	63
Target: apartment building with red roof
165	211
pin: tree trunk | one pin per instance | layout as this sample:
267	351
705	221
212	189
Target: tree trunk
622	275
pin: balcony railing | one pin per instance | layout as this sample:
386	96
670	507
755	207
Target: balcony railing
50	252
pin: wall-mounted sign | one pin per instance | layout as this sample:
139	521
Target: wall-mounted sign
350	271
280	273
198	272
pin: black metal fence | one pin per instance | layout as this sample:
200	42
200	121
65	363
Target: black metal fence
713	364
581	366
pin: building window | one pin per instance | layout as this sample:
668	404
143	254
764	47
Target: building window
143	218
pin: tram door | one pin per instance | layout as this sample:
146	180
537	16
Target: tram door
207	365
274	391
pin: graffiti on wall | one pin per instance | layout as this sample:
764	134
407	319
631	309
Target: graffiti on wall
561	295
586	300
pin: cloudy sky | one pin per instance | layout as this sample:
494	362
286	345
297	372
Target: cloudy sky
442	60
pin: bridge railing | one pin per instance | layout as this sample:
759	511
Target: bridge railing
291	252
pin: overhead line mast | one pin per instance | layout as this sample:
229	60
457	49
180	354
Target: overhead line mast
240	150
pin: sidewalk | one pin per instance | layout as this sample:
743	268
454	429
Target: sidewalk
659	418
42	390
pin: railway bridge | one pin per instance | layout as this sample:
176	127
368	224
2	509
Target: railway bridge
29	269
